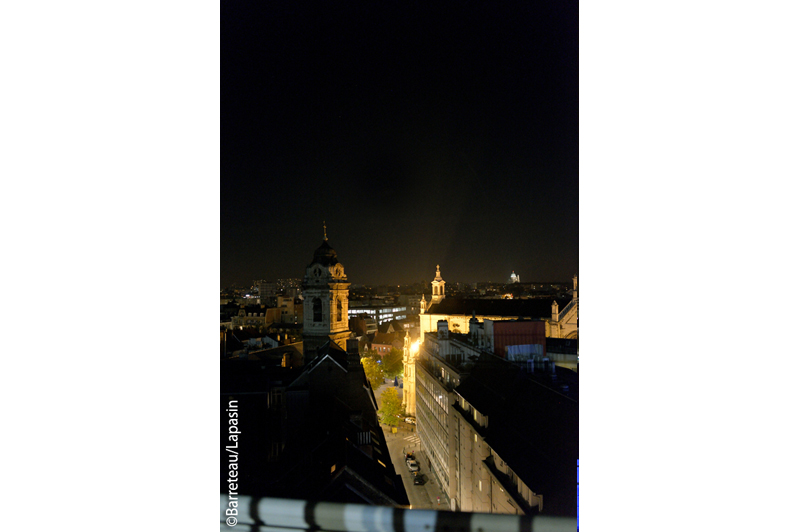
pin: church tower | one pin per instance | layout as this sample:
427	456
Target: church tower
325	300
438	287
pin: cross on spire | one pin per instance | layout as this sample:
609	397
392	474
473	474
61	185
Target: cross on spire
324	230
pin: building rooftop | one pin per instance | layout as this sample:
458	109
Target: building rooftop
566	346
528	308
310	432
532	427
384	338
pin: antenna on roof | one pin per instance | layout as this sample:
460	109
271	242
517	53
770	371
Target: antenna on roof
324	230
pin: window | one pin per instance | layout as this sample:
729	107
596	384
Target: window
317	309
338	309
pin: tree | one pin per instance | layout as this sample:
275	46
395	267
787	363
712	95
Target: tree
393	363
391	406
373	371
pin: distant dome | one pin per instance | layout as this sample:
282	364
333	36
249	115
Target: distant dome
325	255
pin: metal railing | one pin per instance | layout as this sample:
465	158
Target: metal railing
286	515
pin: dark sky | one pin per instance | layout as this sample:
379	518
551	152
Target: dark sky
422	135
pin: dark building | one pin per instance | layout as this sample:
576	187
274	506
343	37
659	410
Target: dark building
530	429
309	433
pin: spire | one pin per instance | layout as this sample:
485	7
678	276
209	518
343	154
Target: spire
438	274
324	230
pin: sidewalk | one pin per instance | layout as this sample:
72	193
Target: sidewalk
407	440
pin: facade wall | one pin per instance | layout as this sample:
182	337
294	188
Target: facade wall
459	323
256	318
432	424
501	499
511	333
328	286
479	490
381	314
409	378
474	494
436	426
451	438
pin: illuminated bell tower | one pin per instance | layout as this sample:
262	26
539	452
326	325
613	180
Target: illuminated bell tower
438	287
325	300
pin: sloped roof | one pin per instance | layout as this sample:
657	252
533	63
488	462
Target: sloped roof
384	338
331	349
532	427
321	424
526	308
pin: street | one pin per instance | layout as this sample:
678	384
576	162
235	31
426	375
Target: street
407	440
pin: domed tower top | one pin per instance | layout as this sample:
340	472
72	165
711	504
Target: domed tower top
324	254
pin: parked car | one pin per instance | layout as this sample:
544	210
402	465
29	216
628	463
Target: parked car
419	480
412	465
411	421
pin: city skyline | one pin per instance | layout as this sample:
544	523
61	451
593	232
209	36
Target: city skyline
451	283
429	135
498	279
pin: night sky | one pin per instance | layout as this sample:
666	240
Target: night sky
420	134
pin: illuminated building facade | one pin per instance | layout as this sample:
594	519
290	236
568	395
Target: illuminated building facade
325	300
255	316
560	315
564	323
410	350
435	380
380	313
383	343
499	437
